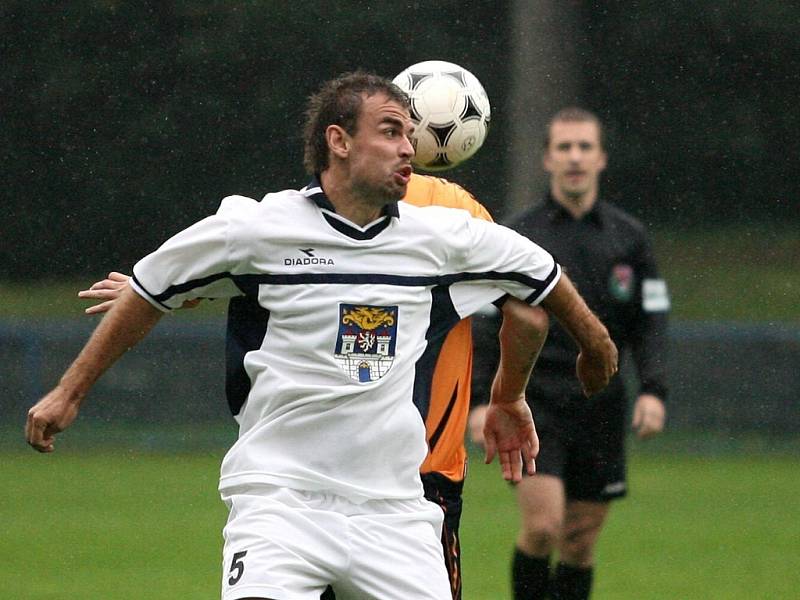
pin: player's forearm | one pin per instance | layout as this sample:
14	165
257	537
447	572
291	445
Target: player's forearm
566	304
521	336
123	327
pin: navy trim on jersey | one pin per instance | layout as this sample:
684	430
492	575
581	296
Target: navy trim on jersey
538	285
547	281
245	281
154	298
353	232
315	192
443	317
182	288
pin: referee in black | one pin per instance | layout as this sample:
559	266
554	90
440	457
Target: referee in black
581	462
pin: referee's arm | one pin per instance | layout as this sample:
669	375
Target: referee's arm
649	347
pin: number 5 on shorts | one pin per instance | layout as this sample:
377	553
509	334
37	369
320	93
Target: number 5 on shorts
238	566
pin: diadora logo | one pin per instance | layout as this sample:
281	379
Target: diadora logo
308	259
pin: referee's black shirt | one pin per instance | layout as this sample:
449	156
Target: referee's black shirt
608	257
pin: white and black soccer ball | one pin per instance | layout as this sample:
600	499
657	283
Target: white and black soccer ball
450	109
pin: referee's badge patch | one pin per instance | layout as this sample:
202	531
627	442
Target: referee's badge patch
655	297
620	284
366	340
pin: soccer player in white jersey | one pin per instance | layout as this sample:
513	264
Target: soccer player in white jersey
323	484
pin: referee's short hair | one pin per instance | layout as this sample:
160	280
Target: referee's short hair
338	102
575	114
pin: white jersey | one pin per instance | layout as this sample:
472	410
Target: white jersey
344	316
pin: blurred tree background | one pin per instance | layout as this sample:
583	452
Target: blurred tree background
123	122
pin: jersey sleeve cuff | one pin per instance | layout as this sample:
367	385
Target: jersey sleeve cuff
142	291
549	283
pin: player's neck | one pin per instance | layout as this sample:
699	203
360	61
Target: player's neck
347	202
577	205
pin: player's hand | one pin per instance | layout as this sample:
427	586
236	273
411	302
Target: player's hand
597	366
477	419
106	290
649	415
510	433
51	415
109	289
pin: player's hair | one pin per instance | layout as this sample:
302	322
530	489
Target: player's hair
338	102
574	114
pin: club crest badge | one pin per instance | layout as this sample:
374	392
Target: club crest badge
620	284
366	341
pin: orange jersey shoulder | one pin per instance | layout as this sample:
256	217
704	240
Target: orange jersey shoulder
425	190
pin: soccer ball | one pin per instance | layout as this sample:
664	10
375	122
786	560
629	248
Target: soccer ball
450	109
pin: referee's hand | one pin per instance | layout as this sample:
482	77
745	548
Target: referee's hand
649	415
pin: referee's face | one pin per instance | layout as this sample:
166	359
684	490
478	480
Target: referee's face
380	152
574	159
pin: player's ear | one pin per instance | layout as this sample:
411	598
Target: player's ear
338	141
546	160
603	160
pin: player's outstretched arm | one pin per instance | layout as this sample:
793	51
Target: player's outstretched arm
598	357
508	428
108	290
123	327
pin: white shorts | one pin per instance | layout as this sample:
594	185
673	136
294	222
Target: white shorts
290	545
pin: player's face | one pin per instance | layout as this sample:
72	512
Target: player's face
574	158
381	151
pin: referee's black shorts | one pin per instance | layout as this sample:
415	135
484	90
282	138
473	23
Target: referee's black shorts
581	440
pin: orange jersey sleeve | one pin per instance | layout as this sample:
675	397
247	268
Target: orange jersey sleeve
424	190
446	421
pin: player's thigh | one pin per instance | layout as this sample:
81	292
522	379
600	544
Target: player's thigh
397	556
278	547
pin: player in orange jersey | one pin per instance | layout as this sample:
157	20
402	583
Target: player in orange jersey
446	414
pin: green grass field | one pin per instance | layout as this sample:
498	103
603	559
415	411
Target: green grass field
105	523
692	528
